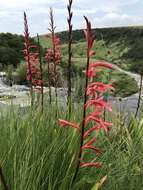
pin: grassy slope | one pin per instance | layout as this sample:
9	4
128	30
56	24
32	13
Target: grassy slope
114	45
125	43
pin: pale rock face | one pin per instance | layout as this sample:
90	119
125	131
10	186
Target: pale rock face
19	95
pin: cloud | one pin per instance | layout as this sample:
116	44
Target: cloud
103	13
111	20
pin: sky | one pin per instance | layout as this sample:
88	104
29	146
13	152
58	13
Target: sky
102	13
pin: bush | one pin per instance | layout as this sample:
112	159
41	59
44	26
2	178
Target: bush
19	76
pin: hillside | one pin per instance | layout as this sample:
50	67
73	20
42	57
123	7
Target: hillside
122	45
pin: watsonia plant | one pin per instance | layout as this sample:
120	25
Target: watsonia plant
27	54
53	55
33	60
94	105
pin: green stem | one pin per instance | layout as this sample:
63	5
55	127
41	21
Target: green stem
139	98
69	102
83	121
41	74
2	178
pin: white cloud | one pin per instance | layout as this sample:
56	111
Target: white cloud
101	12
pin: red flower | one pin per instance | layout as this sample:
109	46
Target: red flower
56	40
101	64
65	123
32	59
88	35
89	131
90	73
94	100
95	88
90	164
98	102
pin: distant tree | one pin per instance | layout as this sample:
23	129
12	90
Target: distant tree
11	48
9	56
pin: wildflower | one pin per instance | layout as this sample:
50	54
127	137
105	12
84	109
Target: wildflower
94	103
53	56
91	164
31	55
65	123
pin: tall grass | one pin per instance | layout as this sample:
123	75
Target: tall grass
36	154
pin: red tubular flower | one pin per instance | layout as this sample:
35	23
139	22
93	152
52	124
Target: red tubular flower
101	64
56	41
65	123
90	142
89	36
94	99
32	59
92	53
26	50
97	150
89	131
99	87
98	102
94	103
52	56
90	73
90	164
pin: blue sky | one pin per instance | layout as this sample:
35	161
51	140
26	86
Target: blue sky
103	13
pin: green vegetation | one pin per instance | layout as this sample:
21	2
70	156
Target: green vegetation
123	84
124	43
121	46
37	154
11	49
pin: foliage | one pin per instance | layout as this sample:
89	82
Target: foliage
19	75
8	56
124	43
123	84
37	154
11	48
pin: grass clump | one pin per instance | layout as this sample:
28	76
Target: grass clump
37	154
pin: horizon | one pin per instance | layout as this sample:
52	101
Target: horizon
43	34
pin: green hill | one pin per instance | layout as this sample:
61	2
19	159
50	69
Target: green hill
122	46
125	45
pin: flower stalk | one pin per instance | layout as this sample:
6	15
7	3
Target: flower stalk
87	33
41	73
27	54
52	30
95	104
53	57
69	19
139	98
33	59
